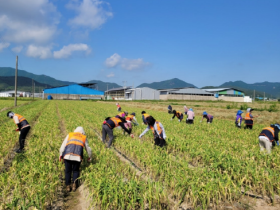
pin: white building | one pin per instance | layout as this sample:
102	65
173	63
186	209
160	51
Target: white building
11	93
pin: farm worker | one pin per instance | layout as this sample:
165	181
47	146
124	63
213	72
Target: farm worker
144	117
71	151
238	119
158	131
169	108
190	116
268	136
130	119
207	116
118	107
249	118
179	115
23	128
186	110
122	115
109	124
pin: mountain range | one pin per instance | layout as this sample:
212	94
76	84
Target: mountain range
270	88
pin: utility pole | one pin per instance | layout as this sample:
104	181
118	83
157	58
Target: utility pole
33	88
263	96
16	81
254	95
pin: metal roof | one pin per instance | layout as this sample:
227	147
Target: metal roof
220	89
118	89
73	89
175	88
187	91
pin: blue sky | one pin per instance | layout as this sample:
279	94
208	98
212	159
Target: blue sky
199	41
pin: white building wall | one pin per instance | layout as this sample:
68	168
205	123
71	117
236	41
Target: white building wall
144	94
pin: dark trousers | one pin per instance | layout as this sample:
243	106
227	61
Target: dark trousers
107	131
159	141
210	120
189	121
22	136
169	111
248	127
71	166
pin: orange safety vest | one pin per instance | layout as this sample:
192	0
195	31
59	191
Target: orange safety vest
129	117
268	132
114	120
158	128
75	144
248	119
178	114
22	121
121	114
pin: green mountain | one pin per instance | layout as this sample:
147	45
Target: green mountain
23	84
270	88
7	71
172	83
103	85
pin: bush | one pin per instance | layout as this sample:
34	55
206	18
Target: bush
244	107
273	108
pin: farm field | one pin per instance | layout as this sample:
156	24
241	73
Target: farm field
203	166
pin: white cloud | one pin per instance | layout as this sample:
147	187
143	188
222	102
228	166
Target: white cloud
17	49
67	51
110	75
4	45
90	13
133	64
32	21
113	61
38	52
125	63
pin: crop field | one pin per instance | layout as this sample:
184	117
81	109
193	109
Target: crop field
203	166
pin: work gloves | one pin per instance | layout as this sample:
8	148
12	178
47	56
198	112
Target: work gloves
60	157
17	129
131	135
89	160
171	119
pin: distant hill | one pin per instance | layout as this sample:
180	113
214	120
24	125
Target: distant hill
270	88
7	71
103	85
24	84
172	83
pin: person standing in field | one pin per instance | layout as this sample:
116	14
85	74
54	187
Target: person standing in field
238	119
144	117
107	129
177	114
207	116
22	126
158	131
249	122
190	116
71	151
169	108
118	107
268	137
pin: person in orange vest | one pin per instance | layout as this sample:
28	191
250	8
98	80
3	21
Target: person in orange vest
118	107
130	119
158	131
179	115
122	115
268	137
71	152
249	119
22	126
144	117
109	124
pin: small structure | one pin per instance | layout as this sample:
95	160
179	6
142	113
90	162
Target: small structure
128	93
191	93
74	92
11	93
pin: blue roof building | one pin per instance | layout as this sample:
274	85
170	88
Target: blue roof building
75	91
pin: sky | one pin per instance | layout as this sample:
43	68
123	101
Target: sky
203	42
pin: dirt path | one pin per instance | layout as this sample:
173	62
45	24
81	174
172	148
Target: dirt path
78	200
